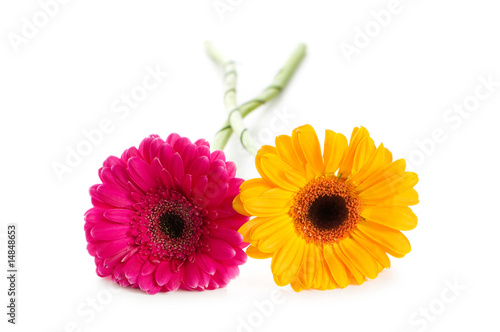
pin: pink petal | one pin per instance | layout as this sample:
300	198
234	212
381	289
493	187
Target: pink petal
133	268
156	168
189	154
217	163
163	273
94	215
114	195
103	271
186	185
166	179
221	276
124	283
200	186
148	268
230	236
240	257
172	138
217	154
122	216
129	153
154	148
109	231
206	263
175	281
112	160
119	272
233	222
202	142
145	147
212	284
145	282
216	188
220	250
181	144
200	166
232	270
166	151
106	176
111	248
100	204
176	264
116	259
176	167
225	208
121	175
154	290
231	169
191	275
204	151
234	187
140	171
204	279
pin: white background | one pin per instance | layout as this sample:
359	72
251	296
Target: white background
66	78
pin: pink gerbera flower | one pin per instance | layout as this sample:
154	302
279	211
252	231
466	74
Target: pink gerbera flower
162	219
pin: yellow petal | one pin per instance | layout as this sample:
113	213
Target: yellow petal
328	281
385	172
273	169
392	241
321	278
253	188
265	149
359	257
297	178
276	240
337	268
311	149
359	150
296	285
335	149
287	261
388	156
285	148
364	150
247	228
239	207
308	270
390	186
257	254
353	272
407	197
297	147
273	202
373	248
251	183
270	226
397	217
376	161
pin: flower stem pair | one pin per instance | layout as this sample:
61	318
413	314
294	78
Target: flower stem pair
237	113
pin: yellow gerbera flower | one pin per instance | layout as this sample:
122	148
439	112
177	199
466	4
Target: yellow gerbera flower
327	220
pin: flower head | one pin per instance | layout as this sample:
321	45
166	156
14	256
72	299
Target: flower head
162	218
327	219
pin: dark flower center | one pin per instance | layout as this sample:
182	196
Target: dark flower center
171	224
328	212
325	210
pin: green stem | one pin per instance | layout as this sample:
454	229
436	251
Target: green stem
280	81
235	119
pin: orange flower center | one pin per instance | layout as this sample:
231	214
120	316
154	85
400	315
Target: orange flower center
325	210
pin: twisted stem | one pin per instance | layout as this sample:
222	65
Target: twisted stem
238	113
